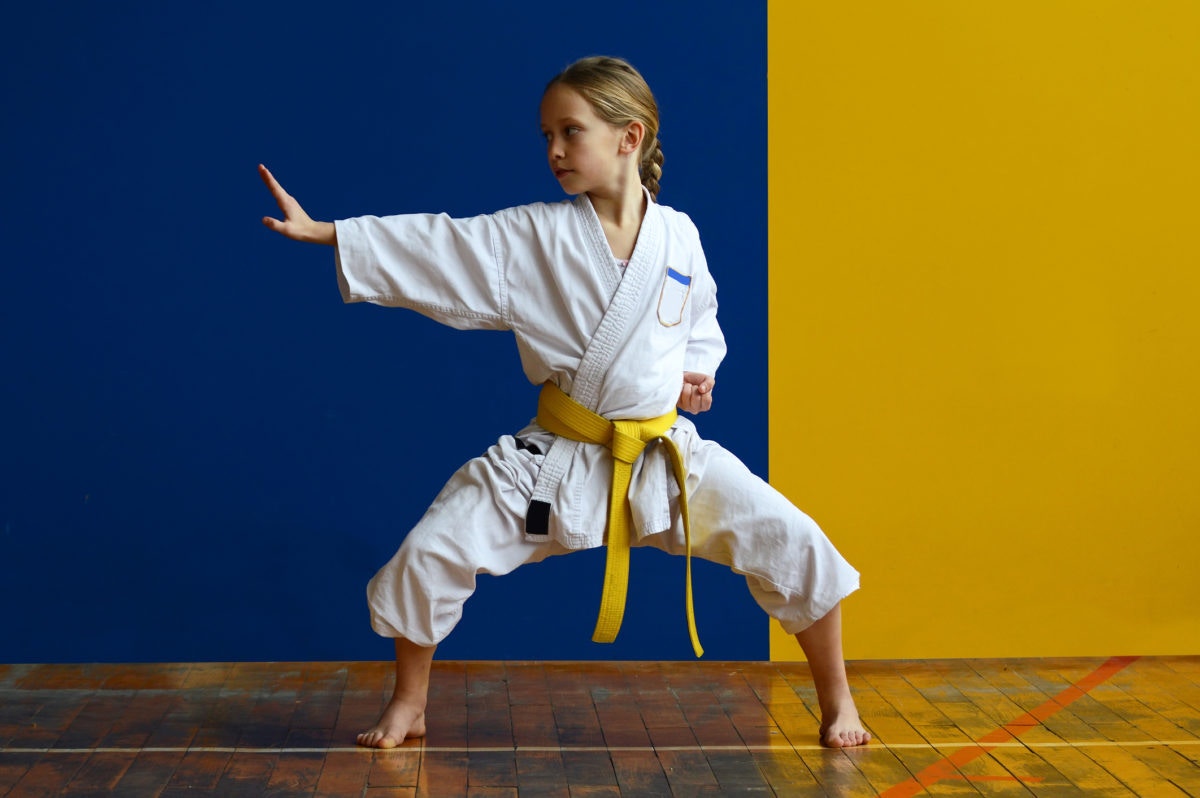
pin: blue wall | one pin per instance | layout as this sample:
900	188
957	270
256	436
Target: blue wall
204	454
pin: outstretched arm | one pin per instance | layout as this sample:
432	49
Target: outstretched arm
696	396
296	224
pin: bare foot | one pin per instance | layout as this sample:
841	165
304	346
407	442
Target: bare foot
844	730
400	721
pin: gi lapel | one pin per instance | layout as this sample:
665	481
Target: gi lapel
614	326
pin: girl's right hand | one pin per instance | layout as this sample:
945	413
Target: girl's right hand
296	224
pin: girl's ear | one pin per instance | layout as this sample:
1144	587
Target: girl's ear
631	141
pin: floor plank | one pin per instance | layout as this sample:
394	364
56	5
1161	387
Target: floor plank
942	727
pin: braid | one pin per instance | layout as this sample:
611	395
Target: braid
652	169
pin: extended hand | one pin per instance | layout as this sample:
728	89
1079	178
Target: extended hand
696	396
296	224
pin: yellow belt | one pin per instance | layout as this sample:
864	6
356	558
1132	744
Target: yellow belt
563	416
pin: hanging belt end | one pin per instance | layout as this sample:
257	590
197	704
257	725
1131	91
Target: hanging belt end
603	637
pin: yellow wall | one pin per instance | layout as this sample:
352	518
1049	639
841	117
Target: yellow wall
985	318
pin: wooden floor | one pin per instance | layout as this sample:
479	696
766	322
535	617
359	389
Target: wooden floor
1089	727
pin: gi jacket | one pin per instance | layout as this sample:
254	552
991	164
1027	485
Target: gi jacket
616	339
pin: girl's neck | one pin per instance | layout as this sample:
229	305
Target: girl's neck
621	218
623	210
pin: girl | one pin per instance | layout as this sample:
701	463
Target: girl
614	311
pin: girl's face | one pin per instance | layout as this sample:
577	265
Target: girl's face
585	152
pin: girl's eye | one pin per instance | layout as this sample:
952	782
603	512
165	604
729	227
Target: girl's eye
571	131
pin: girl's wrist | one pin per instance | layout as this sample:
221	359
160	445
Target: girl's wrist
324	233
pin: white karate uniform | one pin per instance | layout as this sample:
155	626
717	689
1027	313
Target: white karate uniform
617	340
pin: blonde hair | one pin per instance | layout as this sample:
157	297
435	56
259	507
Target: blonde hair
619	95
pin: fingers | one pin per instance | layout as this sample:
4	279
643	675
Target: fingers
295	224
282	198
269	179
696	398
685	399
286	202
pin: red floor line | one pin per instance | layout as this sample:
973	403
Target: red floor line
947	767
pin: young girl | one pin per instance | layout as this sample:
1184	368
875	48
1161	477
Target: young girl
614	312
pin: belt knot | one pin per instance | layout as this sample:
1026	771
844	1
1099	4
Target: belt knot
626	439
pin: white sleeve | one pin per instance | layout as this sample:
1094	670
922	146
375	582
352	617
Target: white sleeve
706	342
446	269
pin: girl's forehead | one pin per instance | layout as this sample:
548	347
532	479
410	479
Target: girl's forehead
561	101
